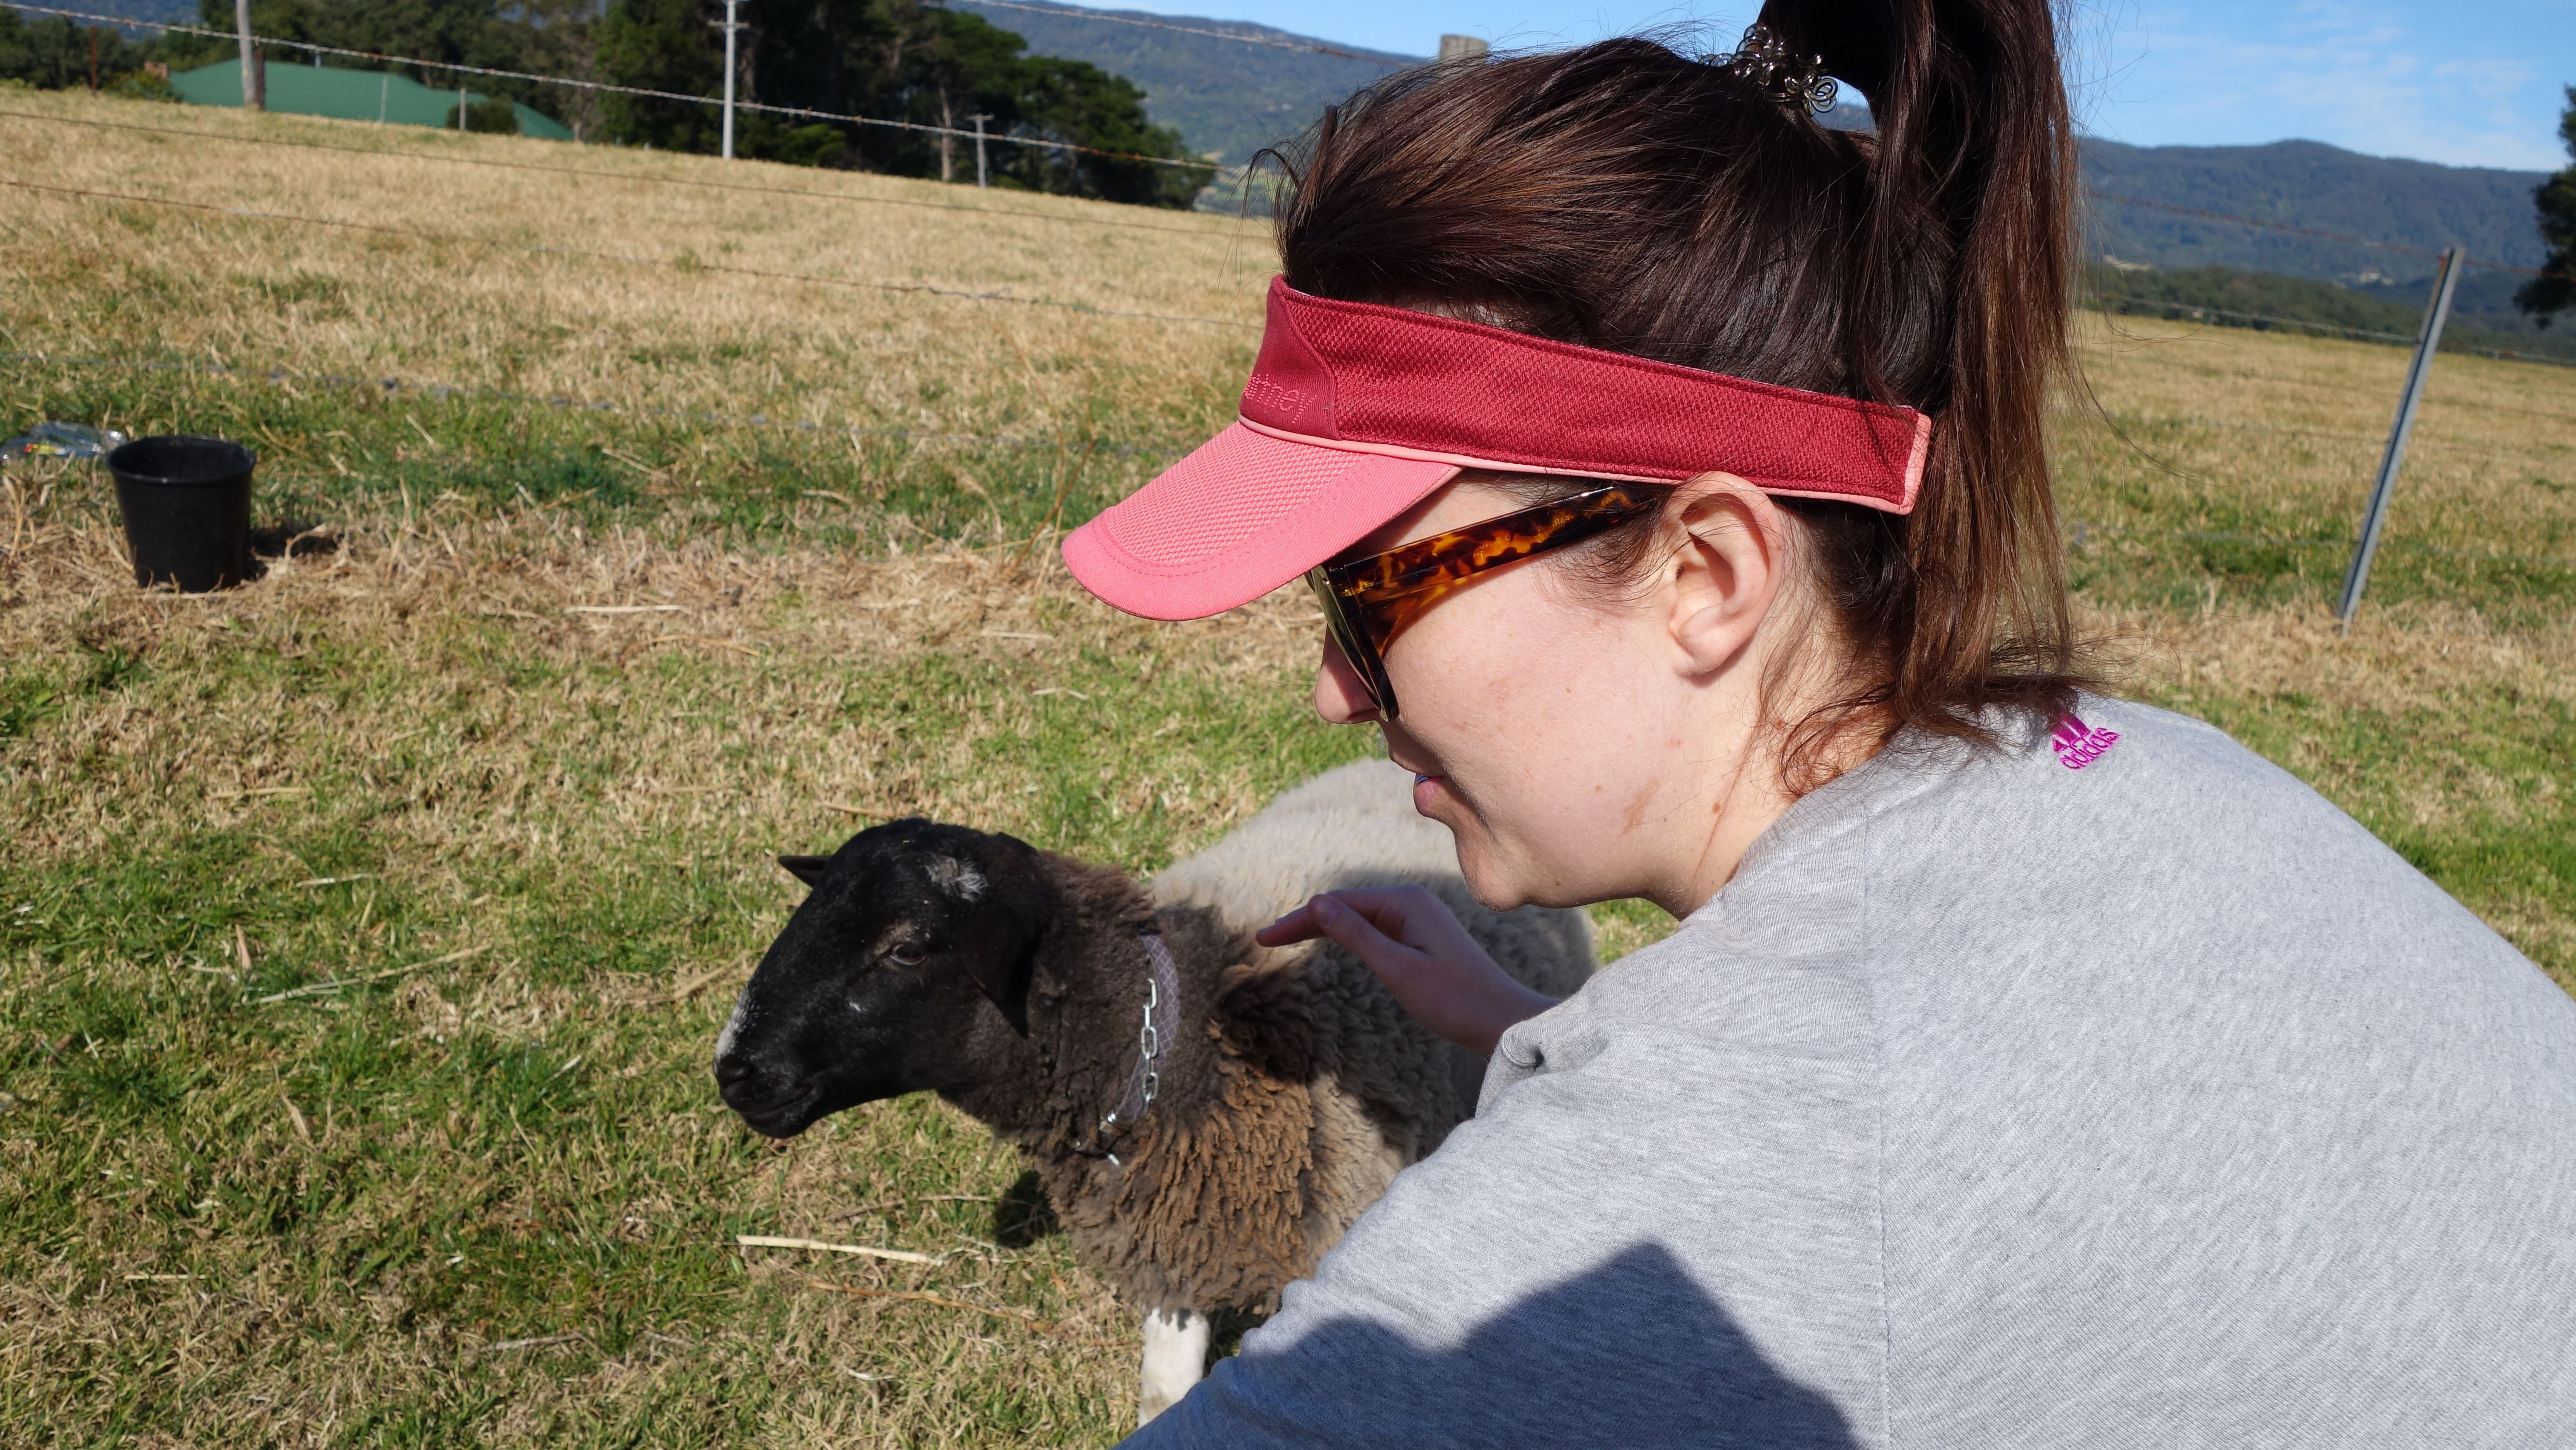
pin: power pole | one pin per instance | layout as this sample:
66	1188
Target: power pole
254	80
731	28
2436	312
980	119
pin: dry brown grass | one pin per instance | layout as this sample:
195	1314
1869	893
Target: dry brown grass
131	279
2222	429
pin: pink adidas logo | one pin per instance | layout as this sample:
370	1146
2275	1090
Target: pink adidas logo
2078	744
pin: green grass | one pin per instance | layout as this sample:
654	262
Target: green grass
510	1135
329	453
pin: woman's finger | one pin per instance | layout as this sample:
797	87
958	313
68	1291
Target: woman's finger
1296	926
1394	911
1353	931
1407	914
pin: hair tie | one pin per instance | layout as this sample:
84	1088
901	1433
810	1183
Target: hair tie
1763	58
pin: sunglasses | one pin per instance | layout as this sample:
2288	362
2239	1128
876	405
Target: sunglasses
1368	602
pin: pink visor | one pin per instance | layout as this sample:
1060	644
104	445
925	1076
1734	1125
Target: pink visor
1356	411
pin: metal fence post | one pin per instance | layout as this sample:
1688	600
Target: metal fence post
2436	312
732	27
980	119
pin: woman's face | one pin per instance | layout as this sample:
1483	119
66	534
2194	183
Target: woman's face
1567	740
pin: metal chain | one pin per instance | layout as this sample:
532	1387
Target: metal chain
1149	1042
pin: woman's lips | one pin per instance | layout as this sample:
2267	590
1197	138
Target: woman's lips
1427	789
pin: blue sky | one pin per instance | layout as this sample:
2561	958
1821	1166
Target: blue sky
2470	84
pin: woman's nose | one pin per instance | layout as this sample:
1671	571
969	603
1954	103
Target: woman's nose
1339	695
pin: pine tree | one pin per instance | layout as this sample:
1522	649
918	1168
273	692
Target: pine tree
2554	290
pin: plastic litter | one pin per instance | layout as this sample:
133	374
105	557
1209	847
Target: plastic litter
62	440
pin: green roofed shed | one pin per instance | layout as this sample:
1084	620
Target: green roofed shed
350	95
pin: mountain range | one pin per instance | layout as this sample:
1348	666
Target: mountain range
1231	97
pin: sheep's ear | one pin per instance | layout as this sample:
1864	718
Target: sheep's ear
808	869
999	944
998	951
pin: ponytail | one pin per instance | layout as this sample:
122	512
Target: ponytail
1960	292
1625	196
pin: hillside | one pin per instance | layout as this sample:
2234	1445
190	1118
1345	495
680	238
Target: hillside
1229	98
2307	184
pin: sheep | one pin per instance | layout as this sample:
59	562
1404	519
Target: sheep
1285	1087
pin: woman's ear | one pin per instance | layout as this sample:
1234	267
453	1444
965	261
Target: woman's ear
1728	573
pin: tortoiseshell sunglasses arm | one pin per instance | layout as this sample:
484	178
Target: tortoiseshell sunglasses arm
1391	590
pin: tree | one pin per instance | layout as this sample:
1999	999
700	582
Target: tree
52	54
965	67
919	63
1077	102
914	62
660	45
2554	290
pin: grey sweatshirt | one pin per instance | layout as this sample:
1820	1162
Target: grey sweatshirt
2114	1091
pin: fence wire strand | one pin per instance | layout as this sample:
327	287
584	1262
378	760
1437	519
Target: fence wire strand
2194	311
2202	369
606	88
408	155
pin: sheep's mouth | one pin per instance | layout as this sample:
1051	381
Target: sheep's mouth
780	1115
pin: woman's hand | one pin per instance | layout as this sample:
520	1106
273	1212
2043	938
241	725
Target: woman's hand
1416	946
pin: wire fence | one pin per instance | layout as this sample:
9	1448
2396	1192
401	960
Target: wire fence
2133	306
460	68
496	164
2203	369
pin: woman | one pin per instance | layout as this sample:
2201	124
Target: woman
2029	1068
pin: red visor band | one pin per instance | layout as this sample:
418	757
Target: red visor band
1365	378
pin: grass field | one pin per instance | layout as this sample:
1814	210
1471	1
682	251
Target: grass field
482	1192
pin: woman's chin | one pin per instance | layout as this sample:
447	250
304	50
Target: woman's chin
1494	884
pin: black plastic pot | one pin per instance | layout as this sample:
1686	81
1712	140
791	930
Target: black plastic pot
186	502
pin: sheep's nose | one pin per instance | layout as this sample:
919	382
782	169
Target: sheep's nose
732	1071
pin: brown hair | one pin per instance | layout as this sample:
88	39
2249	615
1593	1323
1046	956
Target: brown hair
1627	197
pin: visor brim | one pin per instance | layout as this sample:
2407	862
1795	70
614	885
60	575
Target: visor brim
1243	514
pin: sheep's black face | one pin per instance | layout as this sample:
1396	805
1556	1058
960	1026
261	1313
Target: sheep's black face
906	969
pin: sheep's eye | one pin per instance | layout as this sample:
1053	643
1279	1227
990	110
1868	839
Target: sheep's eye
909	954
